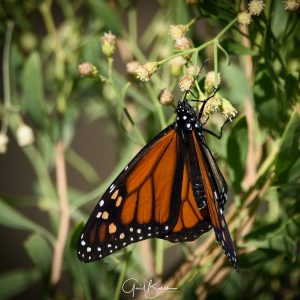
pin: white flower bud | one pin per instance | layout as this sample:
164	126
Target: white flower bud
25	135
3	142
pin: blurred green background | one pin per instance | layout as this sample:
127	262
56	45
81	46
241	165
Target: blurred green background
102	121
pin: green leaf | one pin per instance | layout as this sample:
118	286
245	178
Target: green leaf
257	258
39	251
279	19
33	89
289	149
15	282
237	145
237	82
265	97
234	47
107	15
182	13
12	218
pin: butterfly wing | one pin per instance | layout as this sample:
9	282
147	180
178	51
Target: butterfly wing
214	207
193	219
220	183
143	202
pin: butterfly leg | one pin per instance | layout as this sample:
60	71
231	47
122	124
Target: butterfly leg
205	101
218	136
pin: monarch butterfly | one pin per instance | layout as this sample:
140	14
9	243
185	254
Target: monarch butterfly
173	189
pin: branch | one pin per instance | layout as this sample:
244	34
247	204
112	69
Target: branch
61	181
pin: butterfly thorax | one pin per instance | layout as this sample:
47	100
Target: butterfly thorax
186	117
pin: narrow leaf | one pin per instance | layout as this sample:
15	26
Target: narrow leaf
40	253
33	89
15	282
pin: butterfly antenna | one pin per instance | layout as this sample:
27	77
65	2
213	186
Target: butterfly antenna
195	78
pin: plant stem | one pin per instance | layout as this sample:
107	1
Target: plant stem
64	222
161	116
121	278
6	74
225	29
216	42
159	258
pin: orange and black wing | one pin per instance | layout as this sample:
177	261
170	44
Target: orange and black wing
193	219
212	194
142	203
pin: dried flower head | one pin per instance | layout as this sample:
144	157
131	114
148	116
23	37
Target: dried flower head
229	112
108	41
244	18
209	83
87	70
182	43
212	105
177	31
24	135
3	142
144	72
132	66
193	70
165	97
291	5
186	82
256	7
176	65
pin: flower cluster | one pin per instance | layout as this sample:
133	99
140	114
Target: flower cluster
108	42
145	71
24	136
217	102
255	9
291	5
177	33
209	83
87	70
166	97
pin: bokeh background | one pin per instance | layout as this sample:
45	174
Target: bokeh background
42	45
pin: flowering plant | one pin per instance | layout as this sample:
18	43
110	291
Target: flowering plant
119	67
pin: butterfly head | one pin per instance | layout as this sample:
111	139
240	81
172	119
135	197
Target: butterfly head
186	116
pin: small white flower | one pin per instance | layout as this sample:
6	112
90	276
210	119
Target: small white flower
25	135
3	142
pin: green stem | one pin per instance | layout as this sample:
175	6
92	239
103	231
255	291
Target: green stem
127	114
154	99
159	258
225	53
121	278
201	47
196	49
110	61
216	42
226	28
137	131
45	9
6	74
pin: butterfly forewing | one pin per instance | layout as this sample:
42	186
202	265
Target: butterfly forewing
214	207
193	219
137	205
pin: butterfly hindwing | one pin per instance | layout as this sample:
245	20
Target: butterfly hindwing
214	207
137	205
